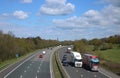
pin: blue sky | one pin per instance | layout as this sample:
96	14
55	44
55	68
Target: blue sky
62	19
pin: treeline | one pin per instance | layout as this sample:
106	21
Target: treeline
10	45
98	44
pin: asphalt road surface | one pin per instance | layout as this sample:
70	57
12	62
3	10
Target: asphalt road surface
33	67
74	72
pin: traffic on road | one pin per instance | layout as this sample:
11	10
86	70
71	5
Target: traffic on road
80	65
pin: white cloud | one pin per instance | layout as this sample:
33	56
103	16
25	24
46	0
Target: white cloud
92	24
114	2
4	16
20	14
109	16
56	7
26	1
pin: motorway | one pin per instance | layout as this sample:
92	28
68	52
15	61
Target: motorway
74	72
33	67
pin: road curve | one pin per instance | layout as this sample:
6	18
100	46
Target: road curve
79	72
32	67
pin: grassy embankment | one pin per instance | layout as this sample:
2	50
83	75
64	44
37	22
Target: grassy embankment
55	67
110	58
59	72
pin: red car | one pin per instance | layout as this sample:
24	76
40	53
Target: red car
40	56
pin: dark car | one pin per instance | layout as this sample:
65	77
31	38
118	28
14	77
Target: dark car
40	56
65	62
65	56
63	59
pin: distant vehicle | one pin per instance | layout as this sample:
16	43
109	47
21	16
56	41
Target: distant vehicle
69	50
40	56
43	52
76	59
91	61
65	56
63	59
65	62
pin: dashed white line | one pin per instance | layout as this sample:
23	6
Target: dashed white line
38	71
95	75
30	64
25	71
28	67
19	65
81	75
39	68
36	76
21	76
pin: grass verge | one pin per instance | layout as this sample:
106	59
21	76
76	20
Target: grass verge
55	67
59	71
109	59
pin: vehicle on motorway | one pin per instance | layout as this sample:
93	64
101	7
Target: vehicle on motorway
91	62
64	58
44	52
40	56
65	62
76	59
69	50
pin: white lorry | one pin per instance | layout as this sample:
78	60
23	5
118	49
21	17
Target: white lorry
69	50
76	59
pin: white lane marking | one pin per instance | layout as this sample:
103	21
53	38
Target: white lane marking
51	66
81	75
19	65
76	70
30	64
104	74
28	67
36	76
39	68
95	75
25	71
21	76
38	71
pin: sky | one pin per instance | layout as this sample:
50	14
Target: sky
60	19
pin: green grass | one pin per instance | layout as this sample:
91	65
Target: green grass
112	55
109	59
55	68
109	54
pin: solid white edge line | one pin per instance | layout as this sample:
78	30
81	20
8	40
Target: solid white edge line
104	74
19	66
51	66
12	64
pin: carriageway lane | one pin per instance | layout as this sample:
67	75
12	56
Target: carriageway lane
35	67
79	72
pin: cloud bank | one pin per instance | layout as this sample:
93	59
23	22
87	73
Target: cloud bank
26	1
109	16
56	7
